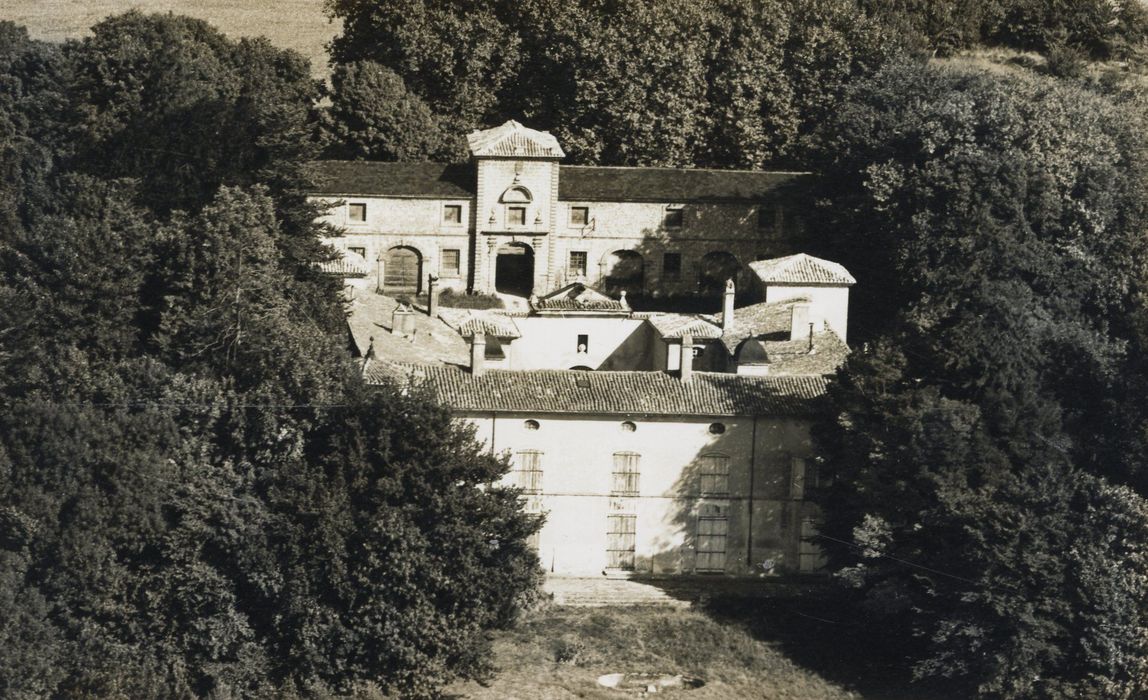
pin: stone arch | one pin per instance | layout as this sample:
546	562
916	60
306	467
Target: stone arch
714	269
514	269
402	270
623	270
516	194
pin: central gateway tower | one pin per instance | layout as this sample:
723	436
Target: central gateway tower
516	208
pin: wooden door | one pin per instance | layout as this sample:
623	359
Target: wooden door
403	270
712	533
621	535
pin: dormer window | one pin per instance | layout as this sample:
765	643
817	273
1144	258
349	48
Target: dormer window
516	216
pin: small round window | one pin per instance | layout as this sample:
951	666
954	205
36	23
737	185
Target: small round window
530	425
628	426
717	428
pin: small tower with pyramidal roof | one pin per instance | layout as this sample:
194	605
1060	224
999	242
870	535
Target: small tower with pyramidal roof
822	283
516	199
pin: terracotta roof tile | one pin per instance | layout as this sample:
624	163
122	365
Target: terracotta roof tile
801	269
349	264
363	177
469	322
680	325
615	184
618	393
512	139
578	297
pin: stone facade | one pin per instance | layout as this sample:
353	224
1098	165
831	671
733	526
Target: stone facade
654	231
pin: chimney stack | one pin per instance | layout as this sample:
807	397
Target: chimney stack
432	296
478	355
800	324
687	363
727	307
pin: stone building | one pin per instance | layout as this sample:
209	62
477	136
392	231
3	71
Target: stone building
654	442
514	219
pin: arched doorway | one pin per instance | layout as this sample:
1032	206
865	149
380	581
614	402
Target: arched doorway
402	272
715	269
514	269
623	270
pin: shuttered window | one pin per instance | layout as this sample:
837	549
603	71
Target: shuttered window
713	472
626	473
621	534
527	471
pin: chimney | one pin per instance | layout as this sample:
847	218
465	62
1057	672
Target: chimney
727	307
432	296
687	363
478	355
800	324
403	321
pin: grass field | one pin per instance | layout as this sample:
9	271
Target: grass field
293	24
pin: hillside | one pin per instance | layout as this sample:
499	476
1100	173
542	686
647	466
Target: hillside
293	24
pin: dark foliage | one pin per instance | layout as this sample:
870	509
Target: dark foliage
198	495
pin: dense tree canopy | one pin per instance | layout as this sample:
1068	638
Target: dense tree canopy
743	81
985	443
198	495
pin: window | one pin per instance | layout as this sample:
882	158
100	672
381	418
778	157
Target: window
450	263
797	478
579	216
716	428
357	213
629	426
358	251
527	471
766	216
583	343
626	473
452	214
673	218
711	543
672	265
713	471
516	216
577	266
530	424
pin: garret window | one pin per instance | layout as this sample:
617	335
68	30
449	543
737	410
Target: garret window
579	216
452	214
357	212
674	217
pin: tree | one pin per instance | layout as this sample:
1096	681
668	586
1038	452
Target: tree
975	446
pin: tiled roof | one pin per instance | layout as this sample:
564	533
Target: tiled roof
680	325
370	324
469	322
575	183
618	393
758	320
514	140
364	177
597	183
578	297
793	357
801	269
349	264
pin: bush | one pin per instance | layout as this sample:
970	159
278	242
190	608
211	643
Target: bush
469	300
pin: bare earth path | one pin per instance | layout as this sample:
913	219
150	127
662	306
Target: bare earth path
293	24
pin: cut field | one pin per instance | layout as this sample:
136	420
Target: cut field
558	653
293	24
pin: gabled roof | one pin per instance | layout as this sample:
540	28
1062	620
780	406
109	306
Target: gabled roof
669	185
365	177
801	269
470	322
513	140
348	264
578	297
614	393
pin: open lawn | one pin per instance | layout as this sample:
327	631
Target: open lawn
293	24
558	653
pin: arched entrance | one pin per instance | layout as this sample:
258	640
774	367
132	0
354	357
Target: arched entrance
402	272
715	269
623	270
514	269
